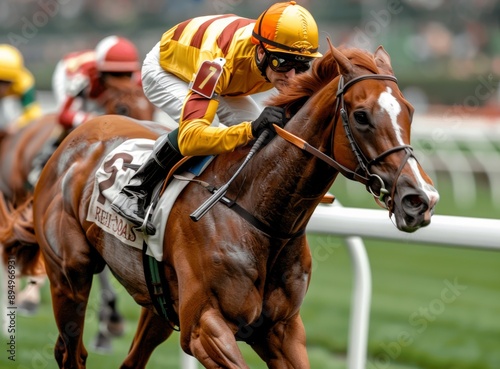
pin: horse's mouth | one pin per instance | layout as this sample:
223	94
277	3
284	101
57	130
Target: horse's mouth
414	210
412	207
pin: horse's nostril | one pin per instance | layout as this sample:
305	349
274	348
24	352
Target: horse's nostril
416	203
121	109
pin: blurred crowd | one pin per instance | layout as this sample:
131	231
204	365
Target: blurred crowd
428	39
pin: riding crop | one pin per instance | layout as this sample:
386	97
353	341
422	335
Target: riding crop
217	195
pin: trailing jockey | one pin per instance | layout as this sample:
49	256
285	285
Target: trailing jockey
79	86
17	83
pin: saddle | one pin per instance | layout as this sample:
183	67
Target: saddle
115	172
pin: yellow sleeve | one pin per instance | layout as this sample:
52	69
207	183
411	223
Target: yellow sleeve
24	88
198	138
31	112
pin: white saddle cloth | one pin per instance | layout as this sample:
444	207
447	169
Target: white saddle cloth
113	175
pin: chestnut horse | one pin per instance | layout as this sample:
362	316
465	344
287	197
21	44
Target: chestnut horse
17	152
230	276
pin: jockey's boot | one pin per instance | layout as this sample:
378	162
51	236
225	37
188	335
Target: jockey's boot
132	200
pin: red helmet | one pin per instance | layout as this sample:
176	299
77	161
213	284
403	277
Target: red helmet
116	54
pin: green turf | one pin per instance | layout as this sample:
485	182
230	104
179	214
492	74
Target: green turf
433	307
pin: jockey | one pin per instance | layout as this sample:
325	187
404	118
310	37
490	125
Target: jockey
17	82
79	86
202	72
79	78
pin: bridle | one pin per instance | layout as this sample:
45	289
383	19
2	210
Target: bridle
362	174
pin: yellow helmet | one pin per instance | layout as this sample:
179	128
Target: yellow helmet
287	28
11	62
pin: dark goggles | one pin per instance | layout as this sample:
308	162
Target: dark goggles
281	64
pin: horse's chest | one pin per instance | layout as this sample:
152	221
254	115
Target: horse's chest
246	288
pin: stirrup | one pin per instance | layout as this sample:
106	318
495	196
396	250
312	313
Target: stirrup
147	227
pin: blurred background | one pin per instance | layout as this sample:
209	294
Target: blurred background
440	48
446	56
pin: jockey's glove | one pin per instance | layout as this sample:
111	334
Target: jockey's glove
269	116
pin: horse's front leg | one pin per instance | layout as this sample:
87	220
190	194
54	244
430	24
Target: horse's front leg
213	343
281	342
284	346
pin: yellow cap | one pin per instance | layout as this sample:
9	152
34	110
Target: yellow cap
11	62
287	28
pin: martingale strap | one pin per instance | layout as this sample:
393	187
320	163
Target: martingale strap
245	214
272	233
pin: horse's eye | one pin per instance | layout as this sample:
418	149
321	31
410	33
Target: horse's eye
361	117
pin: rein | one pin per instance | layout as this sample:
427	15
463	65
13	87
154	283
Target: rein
366	177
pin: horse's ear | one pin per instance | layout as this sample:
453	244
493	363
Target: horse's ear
344	64
383	60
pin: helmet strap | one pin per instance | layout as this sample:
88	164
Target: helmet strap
262	63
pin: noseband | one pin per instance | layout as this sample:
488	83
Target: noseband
362	173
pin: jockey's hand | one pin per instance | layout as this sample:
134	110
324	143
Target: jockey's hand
269	116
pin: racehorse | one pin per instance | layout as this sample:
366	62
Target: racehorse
240	272
18	149
17	152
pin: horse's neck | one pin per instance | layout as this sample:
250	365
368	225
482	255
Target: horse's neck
288	183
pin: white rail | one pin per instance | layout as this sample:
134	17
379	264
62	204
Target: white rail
462	146
444	230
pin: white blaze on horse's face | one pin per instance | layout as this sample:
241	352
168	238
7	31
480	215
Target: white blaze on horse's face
429	190
389	103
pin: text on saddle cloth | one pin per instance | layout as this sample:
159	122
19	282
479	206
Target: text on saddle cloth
116	170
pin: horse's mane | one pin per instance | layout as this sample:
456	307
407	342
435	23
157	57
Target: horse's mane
322	72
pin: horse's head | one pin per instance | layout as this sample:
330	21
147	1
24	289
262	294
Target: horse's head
375	139
125	97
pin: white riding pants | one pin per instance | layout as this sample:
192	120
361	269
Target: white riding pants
168	92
